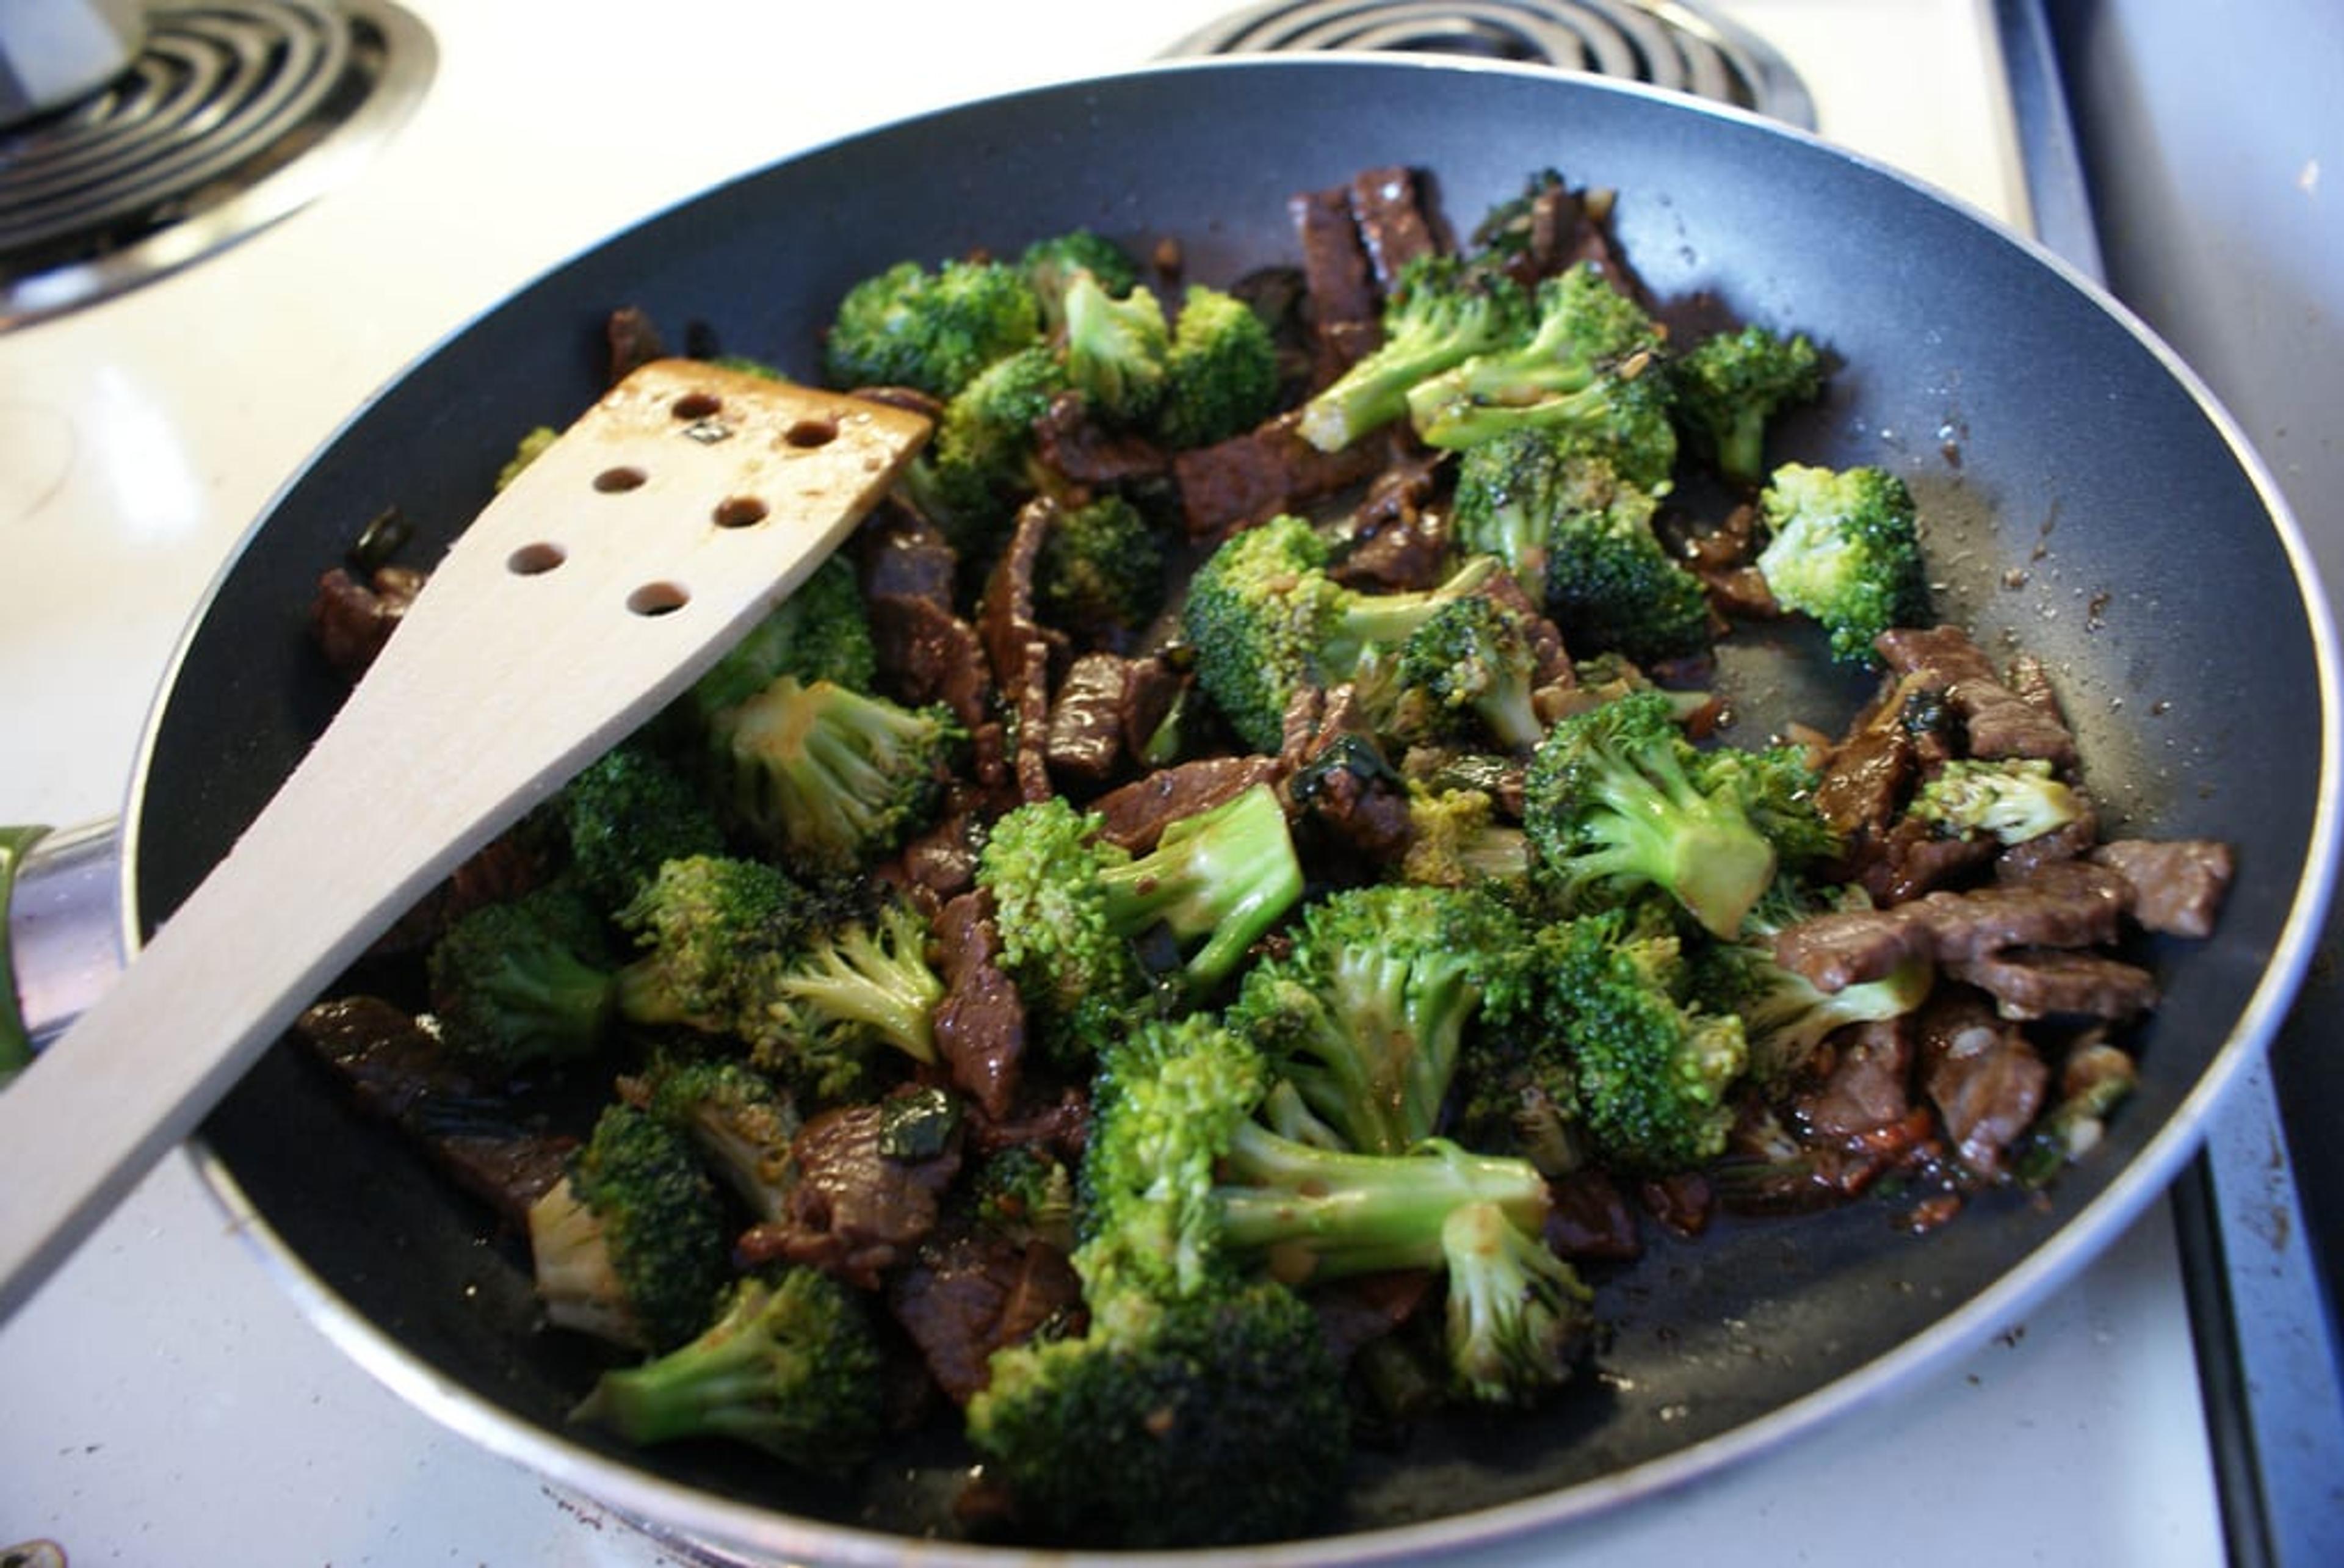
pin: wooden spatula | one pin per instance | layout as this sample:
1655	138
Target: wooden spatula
594	589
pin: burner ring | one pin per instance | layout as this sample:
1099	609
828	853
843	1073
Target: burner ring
235	113
1666	44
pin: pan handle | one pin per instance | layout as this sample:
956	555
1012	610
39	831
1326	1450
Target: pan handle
60	931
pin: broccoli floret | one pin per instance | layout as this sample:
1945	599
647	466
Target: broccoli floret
524	981
982	463
714	936
1650	1066
1507	231
1118	349
1519	1319
1470	667
831	778
627	813
791	1366
1025	1195
1610	584
1456	840
739	1119
1266	621
1222	373
1069	906
1580	327
1510	491
822	632
860	984
526	451
1101	571
1518	1094
1731	384
932	330
1615	803
1206	1421
1365	1012
1190	1191
1049	266
2013	798
1440	311
1217	881
1844	548
630	1246
1074	972
1776	787
1784	1015
2097	1078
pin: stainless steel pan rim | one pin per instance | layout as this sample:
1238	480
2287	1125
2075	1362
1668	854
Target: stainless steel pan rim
693	1515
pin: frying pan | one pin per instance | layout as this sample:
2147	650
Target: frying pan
2082	499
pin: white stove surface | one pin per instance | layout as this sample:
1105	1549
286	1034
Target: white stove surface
168	1404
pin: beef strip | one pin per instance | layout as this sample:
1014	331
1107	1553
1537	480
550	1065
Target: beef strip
1006	622
1340	781
1590	1221
856	1210
965	1297
1399	546
1337	275
1077	446
2069	904
901	555
2000	723
1358	1311
1395	228
2019	861
2178	886
928	654
1253	477
401	1072
980	1025
1086	726
1981	1074
1868	1085
351	621
2047	983
1911	859
632	340
1137	812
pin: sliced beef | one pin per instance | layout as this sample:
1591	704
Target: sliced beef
857	1210
1911	858
1253	477
1360	1311
1590	1220
1862	785
928	654
902	555
2052	982
508	865
1982	1075
1337	274
1137	812
1006	622
2000	723
351	620
2178	886
980	1025
633	341
2019	861
1394	226
966	1297
2067	905
1399	545
1086	730
1339	781
401	1072
1868	1085
940	861
1077	446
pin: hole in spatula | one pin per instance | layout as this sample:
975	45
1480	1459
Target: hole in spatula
658	598
812	433
740	511
618	481
534	560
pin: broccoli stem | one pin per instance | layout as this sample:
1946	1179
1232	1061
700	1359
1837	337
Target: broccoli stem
879	979
1317	1213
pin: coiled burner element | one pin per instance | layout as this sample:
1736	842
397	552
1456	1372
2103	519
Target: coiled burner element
1662	42
233	114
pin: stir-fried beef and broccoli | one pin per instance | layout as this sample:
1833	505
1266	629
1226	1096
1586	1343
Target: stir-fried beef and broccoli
1128	962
